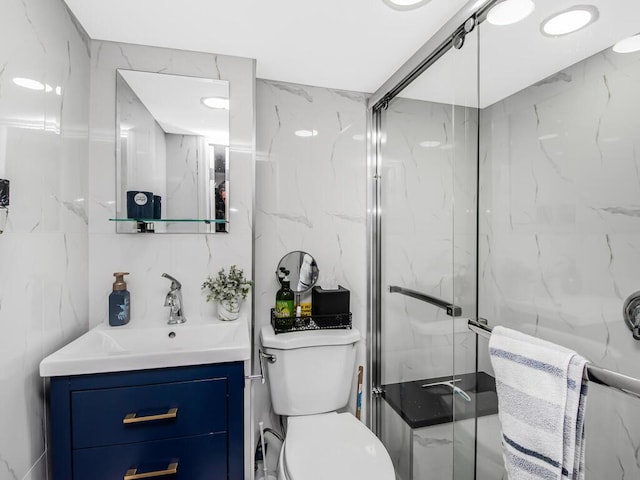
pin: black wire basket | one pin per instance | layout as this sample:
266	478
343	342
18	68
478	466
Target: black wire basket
313	322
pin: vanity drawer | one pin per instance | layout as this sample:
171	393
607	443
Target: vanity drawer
202	457
114	416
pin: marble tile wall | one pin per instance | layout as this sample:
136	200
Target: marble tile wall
310	195
43	251
444	451
188	257
559	231
428	237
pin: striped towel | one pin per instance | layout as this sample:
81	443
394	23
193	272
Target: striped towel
542	392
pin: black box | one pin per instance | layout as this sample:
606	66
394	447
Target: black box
329	302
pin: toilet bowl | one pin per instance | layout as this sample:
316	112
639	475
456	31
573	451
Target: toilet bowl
332	446
310	377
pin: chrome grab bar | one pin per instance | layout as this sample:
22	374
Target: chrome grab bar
452	310
596	374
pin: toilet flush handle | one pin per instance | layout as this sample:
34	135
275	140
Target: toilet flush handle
271	358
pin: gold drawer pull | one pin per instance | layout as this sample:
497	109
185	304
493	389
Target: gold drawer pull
133	418
131	474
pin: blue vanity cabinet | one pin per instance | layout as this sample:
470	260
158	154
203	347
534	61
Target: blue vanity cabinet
181	423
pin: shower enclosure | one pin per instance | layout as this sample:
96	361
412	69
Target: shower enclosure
504	185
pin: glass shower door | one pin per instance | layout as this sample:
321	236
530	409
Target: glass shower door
426	202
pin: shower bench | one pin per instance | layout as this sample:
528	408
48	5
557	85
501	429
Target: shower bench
436	423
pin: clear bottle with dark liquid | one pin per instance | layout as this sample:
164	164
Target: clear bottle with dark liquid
285	304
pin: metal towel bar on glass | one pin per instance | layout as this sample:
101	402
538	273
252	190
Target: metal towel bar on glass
595	374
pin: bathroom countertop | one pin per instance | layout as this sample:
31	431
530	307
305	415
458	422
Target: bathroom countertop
423	407
145	344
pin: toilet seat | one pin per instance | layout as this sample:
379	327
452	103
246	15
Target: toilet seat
333	446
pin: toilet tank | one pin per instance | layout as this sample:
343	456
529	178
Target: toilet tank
313	370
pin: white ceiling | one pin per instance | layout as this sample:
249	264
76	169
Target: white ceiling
345	44
359	44
516	56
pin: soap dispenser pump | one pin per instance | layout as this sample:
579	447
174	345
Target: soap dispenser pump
119	305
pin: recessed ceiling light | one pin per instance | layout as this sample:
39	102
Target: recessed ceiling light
628	45
429	144
510	11
405	4
29	83
569	21
306	133
216	103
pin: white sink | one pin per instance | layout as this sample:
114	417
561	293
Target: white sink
139	346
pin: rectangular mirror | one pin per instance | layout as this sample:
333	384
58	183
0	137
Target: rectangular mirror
172	153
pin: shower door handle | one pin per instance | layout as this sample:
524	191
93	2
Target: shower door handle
452	310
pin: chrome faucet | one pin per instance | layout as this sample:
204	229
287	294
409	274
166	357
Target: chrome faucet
173	300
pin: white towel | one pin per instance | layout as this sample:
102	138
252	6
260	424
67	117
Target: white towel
541	402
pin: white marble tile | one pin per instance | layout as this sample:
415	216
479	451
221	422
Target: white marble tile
188	257
43	252
310	193
428	236
446	450
39	470
559	230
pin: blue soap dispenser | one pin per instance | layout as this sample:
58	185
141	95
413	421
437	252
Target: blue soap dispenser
119	306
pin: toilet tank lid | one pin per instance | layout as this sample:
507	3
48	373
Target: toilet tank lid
307	338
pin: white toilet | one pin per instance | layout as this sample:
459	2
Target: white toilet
309	380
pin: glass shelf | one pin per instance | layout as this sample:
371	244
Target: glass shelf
169	220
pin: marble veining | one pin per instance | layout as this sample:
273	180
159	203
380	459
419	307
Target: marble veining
299	219
353	96
32	25
424	168
547	155
215	63
558	77
616	289
300	91
628	211
8	468
124	56
43	251
189	257
76	207
310	195
347	218
560	239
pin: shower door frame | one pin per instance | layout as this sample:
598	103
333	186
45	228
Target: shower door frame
424	58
